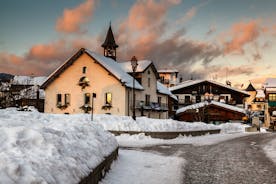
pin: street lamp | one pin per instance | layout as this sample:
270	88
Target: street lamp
134	64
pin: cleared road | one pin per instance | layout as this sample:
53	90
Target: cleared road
237	161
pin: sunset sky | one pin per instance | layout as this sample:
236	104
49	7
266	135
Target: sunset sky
213	39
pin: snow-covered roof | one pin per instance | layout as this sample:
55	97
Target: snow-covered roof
193	82
164	90
270	83
260	93
142	65
28	80
167	71
270	89
109	64
115	69
205	103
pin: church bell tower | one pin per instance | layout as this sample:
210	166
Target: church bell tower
110	45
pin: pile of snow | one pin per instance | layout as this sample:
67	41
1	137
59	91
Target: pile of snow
138	167
229	128
126	123
44	148
270	150
144	124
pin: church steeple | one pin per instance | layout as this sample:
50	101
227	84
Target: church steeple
110	45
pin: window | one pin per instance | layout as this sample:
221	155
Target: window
159	100
148	72
147	100
84	69
87	98
108	99
149	82
187	99
58	99
272	97
67	99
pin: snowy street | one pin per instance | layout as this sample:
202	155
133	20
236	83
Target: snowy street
240	160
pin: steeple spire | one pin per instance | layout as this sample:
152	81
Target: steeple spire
109	44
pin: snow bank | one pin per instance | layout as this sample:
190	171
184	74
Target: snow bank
270	150
229	128
44	148
140	140
138	167
126	123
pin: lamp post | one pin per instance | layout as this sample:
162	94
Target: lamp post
134	64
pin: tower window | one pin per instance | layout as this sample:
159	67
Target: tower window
84	69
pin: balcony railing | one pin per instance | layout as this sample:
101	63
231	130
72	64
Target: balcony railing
152	106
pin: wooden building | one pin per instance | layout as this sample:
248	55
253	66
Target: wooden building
210	112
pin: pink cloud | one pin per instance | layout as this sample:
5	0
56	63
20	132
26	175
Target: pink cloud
41	59
240	35
72	19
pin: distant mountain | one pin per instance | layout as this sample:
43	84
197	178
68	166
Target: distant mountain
5	77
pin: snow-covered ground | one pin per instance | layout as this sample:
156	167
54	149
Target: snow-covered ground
126	123
270	150
140	140
137	167
50	148
44	148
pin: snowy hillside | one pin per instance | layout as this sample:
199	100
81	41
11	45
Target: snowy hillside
44	148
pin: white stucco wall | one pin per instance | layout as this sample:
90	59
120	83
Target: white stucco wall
152	91
101	82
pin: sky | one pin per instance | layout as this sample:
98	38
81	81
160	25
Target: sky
204	39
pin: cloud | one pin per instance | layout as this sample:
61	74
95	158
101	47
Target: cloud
240	35
141	35
42	59
211	30
188	15
72	19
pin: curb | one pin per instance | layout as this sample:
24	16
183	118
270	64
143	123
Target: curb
167	135
99	172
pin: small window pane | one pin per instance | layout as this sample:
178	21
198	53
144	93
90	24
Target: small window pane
67	99
87	98
58	99
108	98
84	70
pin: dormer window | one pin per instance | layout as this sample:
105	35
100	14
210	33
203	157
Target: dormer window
84	69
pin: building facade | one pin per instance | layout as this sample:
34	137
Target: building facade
90	81
168	77
210	95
